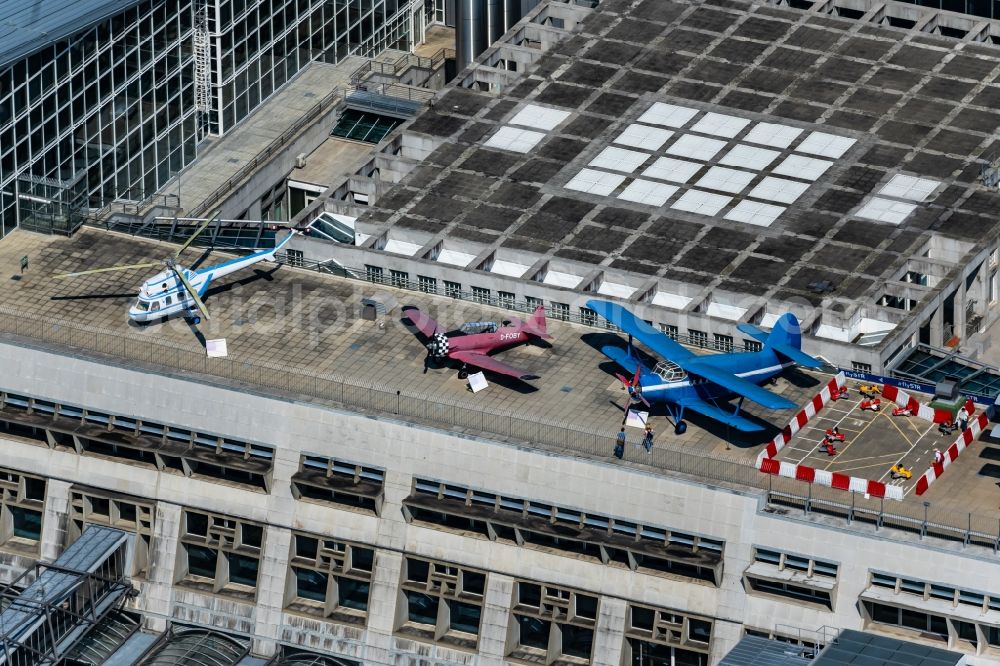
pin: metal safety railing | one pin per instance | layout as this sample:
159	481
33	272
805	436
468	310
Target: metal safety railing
790	497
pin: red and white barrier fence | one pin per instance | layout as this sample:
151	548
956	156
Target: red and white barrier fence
926	412
800	419
830	479
976	426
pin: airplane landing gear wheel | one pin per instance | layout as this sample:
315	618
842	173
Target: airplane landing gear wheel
463	374
680	428
196	320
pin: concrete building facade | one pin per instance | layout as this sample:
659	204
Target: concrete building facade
293	524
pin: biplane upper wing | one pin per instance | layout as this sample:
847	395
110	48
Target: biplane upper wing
737	385
622	358
424	323
641	331
485	362
704	408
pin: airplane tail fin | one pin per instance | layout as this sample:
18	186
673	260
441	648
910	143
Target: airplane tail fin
785	340
536	325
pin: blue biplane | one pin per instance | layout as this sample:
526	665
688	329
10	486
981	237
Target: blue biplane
684	380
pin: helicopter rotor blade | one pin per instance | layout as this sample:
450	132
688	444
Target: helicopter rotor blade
191	239
194	294
109	269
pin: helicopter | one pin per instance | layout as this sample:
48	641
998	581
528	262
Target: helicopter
179	290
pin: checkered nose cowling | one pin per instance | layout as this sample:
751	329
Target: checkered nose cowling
438	346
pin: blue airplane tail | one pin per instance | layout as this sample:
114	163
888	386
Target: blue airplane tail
785	340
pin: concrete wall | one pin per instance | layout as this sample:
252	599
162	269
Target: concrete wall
404	452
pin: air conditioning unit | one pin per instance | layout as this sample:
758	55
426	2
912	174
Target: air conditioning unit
300	161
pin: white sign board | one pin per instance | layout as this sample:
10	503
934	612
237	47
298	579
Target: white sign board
477	382
636	419
216	348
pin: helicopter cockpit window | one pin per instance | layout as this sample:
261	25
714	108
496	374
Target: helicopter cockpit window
156	306
169	300
143	306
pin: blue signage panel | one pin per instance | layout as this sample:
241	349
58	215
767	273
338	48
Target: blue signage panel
909	385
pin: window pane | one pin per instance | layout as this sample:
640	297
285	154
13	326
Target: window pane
421	608
577	641
464	617
534	632
27	523
310	584
197	523
529	594
699	630
242	569
201	561
362	558
417	570
353	593
473	583
884	614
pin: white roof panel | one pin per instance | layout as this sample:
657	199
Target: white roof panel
696	147
756	213
454	257
725	180
806	168
909	187
675	171
593	181
514	139
668	115
703	203
886	210
648	192
773	134
749	157
539	117
778	189
619	159
720	125
643	136
826	145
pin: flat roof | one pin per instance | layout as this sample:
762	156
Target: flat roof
298	324
731	145
29	25
861	647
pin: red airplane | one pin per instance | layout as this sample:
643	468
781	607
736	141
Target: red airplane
475	341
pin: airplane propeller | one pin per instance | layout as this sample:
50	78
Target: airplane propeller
633	386
169	262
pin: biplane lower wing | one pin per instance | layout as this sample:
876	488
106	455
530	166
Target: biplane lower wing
489	363
711	411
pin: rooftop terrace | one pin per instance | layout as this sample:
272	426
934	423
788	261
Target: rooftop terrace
296	333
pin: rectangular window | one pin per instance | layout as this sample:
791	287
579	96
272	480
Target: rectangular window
698	338
332	578
441	602
427	284
723	343
552	623
790	591
532	303
560	311
331	481
669	330
861	367
505	299
752	345
588	316
373	273
926	624
135	515
452	289
399	278
23	504
481	294
220	553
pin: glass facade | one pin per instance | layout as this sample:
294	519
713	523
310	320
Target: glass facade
112	112
103	114
263	43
